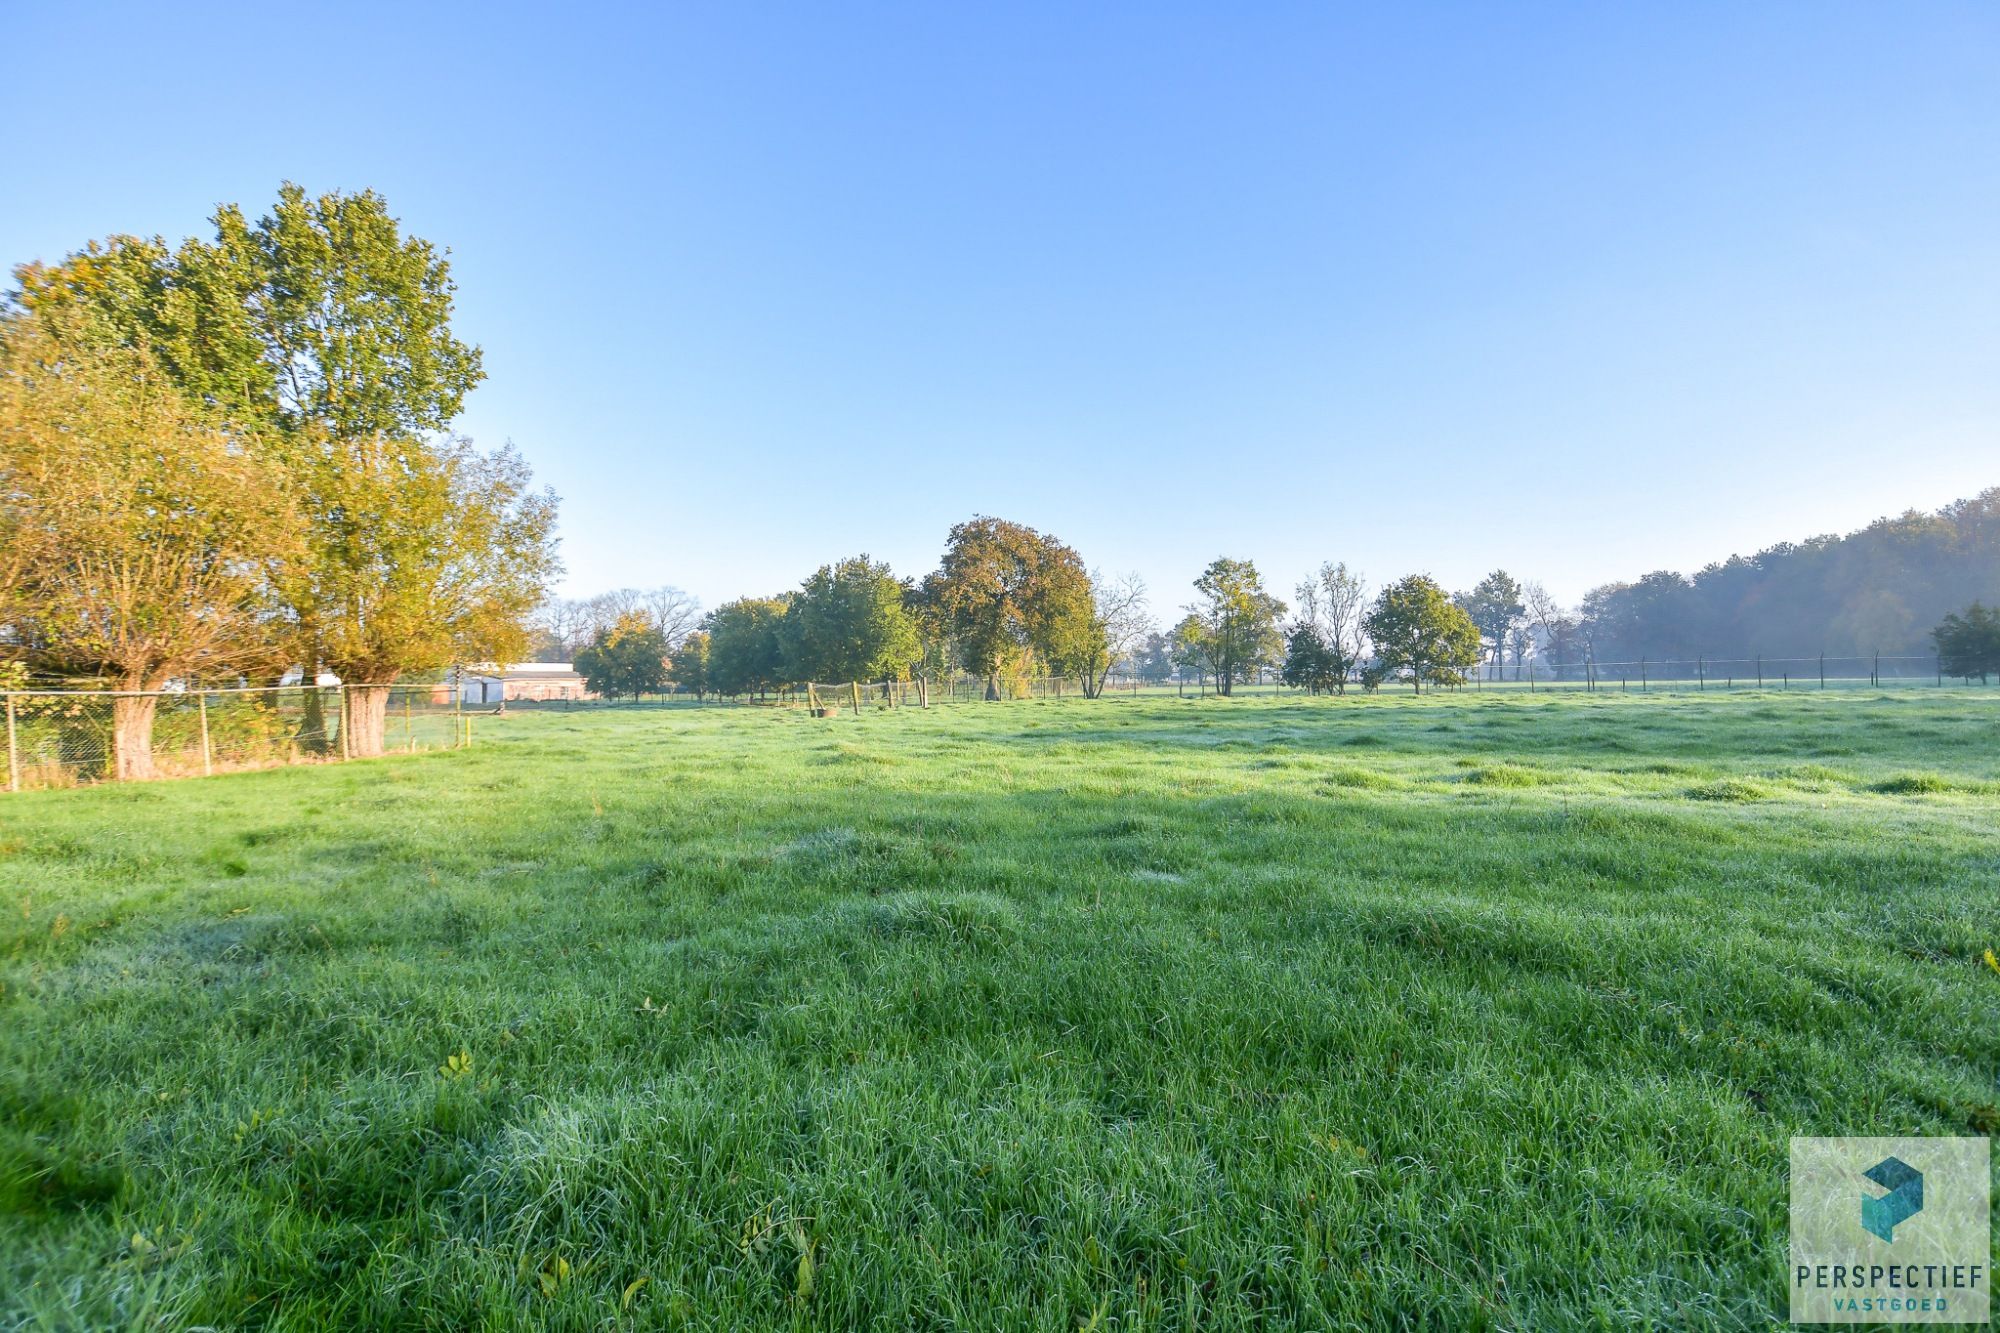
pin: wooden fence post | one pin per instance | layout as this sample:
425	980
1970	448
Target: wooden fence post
13	750
207	755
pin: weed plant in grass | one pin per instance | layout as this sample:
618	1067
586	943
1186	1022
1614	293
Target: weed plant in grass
1473	1011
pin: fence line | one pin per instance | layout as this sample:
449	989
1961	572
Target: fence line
66	738
1646	674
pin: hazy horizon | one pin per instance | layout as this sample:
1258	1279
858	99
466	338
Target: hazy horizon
1579	293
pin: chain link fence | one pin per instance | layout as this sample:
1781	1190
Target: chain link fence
66	738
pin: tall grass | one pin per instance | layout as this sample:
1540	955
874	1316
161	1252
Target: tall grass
1467	1012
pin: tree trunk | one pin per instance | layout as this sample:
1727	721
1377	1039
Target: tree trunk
992	689
132	736
364	717
312	735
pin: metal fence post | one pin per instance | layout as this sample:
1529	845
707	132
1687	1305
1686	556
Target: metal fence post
13	750
207	755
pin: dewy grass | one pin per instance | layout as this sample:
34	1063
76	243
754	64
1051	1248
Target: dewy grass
1199	1014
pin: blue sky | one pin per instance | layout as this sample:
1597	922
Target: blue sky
1579	291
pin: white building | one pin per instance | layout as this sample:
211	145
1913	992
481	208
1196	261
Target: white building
491	684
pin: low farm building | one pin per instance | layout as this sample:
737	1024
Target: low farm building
524	682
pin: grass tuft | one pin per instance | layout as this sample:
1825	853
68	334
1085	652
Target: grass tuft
1915	784
1508	775
1728	790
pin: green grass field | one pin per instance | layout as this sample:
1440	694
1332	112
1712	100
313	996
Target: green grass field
1464	1012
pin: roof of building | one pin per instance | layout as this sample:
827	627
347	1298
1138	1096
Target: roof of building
525	671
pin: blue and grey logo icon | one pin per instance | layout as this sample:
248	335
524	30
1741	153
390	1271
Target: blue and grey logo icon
1904	1200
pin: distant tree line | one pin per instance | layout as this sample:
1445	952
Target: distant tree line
1007	603
1881	589
226	462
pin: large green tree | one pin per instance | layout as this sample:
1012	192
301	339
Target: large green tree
846	623
1968	645
1495	606
1239	621
689	664
1188	646
1420	631
1309	664
744	649
319	314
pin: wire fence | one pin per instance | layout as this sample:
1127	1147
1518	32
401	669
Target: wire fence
1724	673
1536	674
1697	674
66	738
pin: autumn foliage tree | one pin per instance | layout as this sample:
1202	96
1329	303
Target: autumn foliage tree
142	541
319	337
1005	590
417	556
628	658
